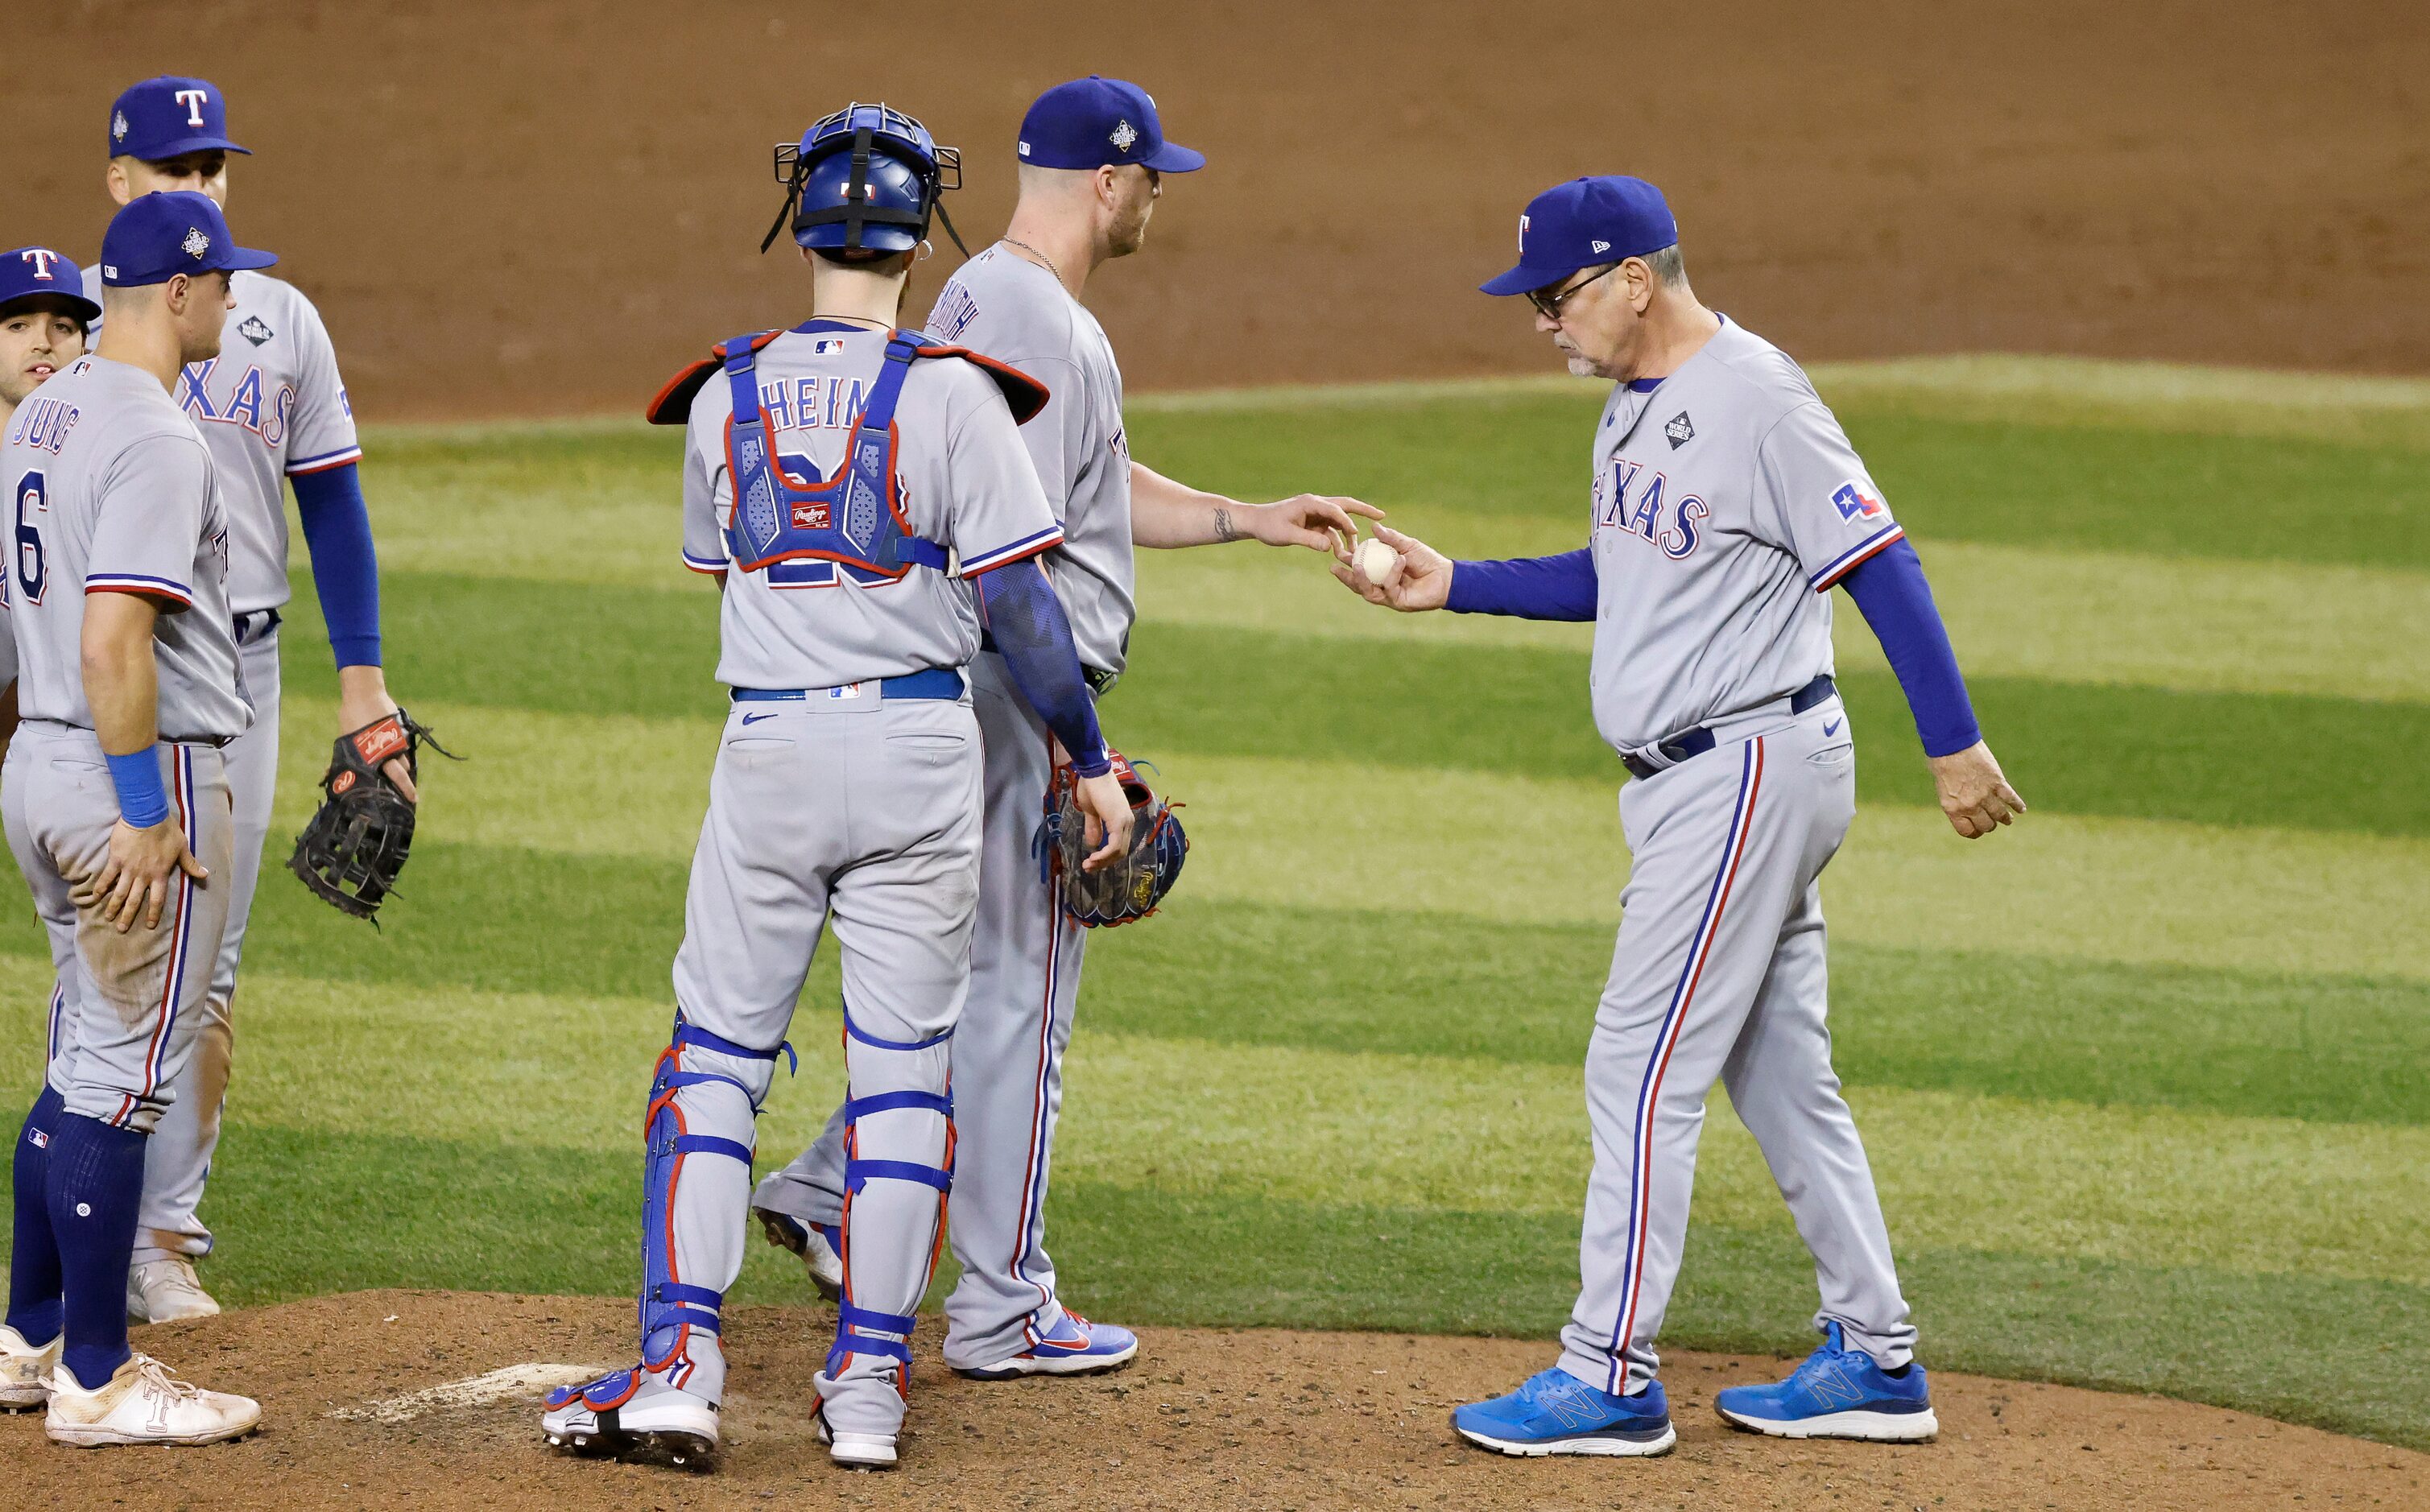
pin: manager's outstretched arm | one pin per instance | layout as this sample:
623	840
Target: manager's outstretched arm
1029	627
1560	586
1891	591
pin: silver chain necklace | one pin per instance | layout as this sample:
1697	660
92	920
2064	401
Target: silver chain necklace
1040	256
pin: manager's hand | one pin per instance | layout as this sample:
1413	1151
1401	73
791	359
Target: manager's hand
1973	793
1419	577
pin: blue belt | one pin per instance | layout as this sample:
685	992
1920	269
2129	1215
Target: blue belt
934	682
1699	741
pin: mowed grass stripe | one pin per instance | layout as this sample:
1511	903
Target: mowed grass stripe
2215	759
2059	616
2155	1186
1527	850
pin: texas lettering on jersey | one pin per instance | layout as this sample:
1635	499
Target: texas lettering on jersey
1630	497
250	403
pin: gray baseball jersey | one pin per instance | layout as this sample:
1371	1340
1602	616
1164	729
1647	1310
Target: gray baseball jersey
271	405
1728	502
1017	312
114	491
965	483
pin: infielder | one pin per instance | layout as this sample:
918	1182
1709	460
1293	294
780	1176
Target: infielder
44	317
1727	504
846	483
273	410
1093	154
117	806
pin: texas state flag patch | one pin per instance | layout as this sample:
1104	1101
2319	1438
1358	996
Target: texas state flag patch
1856	500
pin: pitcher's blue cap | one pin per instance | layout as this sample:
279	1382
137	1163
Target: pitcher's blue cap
176	231
27	272
1585	224
1092	121
168	116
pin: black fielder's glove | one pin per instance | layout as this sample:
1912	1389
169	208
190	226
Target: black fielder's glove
1132	884
356	842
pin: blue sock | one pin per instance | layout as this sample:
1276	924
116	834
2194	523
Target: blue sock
96	1181
34	1306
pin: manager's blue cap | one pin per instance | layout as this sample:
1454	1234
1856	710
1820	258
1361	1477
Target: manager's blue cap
1585	224
1092	121
28	272
167	116
175	231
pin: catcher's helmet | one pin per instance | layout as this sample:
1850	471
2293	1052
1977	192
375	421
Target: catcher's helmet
866	178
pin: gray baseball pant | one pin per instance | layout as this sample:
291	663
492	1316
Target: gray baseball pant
1007	1057
865	812
124	1004
1718	974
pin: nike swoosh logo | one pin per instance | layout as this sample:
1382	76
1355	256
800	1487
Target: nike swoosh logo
1832	728
753	718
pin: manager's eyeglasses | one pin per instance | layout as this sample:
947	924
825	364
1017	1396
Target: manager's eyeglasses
1549	306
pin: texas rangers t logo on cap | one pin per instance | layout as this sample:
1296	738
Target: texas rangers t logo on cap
41	257
192	100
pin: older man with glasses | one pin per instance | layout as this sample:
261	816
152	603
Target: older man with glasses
1727	504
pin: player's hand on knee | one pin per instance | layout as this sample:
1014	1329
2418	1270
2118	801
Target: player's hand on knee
1415	576
1107	819
1317	520
1974	792
142	867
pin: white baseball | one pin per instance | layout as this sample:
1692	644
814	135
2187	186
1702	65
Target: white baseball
1376	559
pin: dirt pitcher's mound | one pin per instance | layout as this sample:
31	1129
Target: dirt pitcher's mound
429	1400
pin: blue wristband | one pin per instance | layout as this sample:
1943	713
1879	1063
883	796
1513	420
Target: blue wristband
141	800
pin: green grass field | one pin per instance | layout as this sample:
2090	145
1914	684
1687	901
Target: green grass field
2146	1081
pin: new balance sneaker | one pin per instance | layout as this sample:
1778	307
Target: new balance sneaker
854	1451
1838	1393
143	1404
819	1247
1073	1346
1553	1412
165	1291
24	1371
634	1416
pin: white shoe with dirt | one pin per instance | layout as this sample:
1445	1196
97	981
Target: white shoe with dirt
143	1404
25	1369
166	1290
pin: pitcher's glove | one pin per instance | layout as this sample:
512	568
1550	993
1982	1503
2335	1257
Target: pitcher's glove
351	852
1132	884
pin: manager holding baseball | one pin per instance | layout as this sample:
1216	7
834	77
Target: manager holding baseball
1726	504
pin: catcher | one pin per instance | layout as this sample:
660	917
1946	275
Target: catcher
1092	158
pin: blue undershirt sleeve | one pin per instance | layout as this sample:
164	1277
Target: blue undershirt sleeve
1027	624
345	567
1889	589
1530	588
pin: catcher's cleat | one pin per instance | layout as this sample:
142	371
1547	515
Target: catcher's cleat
813	1245
854	1451
634	1417
143	1404
165	1291
25	1369
1073	1346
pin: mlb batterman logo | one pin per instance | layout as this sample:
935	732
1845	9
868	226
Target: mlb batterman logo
1124	134
196	243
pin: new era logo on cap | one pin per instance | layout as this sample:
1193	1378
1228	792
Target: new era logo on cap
1602	246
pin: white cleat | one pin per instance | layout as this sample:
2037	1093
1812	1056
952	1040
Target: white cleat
809	1244
144	1404
166	1290
855	1451
634	1417
24	1371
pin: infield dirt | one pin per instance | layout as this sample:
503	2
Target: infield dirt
1203	1420
542	209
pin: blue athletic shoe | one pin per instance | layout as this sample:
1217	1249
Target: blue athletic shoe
1553	1412
1073	1346
1838	1393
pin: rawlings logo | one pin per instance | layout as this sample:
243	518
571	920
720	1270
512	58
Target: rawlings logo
342	782
196	243
1124	136
382	740
812	514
